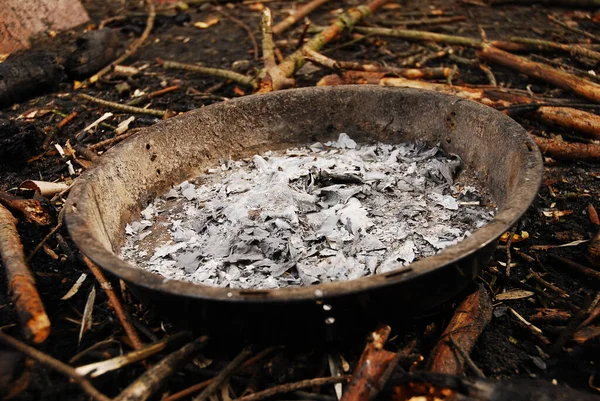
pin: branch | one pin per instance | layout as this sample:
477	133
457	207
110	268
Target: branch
567	150
123	107
297	16
215	72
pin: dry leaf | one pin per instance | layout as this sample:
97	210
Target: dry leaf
206	24
86	320
514	294
516	237
75	287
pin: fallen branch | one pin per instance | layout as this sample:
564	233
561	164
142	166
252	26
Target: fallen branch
148	383
574	50
296	60
35	322
375	78
115	304
297	16
214	72
113	140
55	364
573	29
568	150
134	46
580	86
270	73
125	108
576	267
224	375
290	387
465	327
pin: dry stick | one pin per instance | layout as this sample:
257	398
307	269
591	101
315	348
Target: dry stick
567	150
115	303
123	107
573	29
467	358
580	86
585	271
245	27
410	34
297	16
467	324
290	387
55	364
154	94
113	140
199	386
318	58
370	77
574	50
35	322
224	375
568	117
134	46
148	383
296	60
67	120
215	72
575	322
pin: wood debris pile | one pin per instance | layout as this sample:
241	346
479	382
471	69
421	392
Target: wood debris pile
328	212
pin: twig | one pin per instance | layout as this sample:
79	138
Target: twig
224	375
489	74
575	322
534	330
199	386
148	383
318	58
296	60
115	303
67	120
573	29
411	34
580	86
123	107
426	21
297	16
134	46
559	291
215	72
113	140
467	358
508	247
245	27
99	368
581	269
35	322
290	387
55	364
567	150
154	94
574	50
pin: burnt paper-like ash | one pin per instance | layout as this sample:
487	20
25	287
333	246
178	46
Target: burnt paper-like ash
334	211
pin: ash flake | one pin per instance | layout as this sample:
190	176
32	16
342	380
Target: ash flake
327	212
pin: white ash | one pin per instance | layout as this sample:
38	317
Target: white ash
328	212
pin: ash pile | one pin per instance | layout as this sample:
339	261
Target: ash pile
327	212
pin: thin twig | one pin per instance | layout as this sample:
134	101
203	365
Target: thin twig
48	236
224	375
115	303
21	284
55	364
297	16
289	387
134	46
573	29
215	72
245	27
467	358
123	107
113	140
147	384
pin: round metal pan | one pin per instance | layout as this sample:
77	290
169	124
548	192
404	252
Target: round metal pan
492	146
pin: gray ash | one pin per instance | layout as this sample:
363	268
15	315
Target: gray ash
328	212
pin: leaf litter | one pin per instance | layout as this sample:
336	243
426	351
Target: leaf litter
311	215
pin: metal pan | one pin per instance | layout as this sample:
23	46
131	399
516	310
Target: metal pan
493	147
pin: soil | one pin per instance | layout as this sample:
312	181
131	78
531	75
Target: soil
28	132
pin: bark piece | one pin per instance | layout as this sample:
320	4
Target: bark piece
465	327
568	150
20	19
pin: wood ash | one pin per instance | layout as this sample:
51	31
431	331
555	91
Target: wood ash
327	212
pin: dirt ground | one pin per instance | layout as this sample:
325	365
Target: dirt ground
558	216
